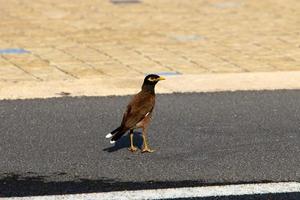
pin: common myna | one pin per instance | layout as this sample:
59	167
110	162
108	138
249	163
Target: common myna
138	114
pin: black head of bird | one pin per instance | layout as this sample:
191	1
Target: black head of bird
150	82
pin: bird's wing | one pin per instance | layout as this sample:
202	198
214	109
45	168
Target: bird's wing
137	109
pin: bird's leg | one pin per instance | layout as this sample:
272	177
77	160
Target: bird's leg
145	145
132	148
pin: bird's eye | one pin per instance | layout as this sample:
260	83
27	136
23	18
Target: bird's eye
151	79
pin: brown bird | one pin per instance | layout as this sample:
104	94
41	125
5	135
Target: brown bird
138	113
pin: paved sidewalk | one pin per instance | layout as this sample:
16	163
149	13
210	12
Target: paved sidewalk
75	41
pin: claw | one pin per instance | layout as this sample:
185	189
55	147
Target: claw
132	149
147	150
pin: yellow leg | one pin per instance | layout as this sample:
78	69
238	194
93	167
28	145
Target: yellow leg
146	148
132	148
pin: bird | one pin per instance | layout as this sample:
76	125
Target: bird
138	114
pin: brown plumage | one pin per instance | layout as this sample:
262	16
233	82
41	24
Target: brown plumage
138	113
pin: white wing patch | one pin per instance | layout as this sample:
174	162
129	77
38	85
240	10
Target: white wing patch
147	114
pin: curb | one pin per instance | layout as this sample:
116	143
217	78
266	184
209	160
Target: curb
175	83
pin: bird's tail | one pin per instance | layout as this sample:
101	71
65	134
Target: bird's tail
115	134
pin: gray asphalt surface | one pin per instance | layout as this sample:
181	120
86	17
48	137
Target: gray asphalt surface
58	145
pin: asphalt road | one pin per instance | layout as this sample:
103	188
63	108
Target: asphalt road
58	145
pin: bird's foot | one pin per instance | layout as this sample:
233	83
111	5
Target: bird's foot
147	150
132	149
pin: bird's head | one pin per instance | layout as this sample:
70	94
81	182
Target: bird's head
151	80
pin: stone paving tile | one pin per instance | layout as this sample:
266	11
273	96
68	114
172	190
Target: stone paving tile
97	39
115	69
39	69
11	72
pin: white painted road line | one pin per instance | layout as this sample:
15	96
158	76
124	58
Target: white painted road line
188	192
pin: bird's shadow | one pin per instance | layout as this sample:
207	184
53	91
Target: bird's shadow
124	142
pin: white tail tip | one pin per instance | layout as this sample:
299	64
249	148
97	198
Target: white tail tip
112	142
108	135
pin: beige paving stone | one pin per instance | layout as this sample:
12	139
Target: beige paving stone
4	45
214	64
9	72
149	68
95	39
254	64
80	70
35	66
85	54
136	60
56	56
115	69
283	63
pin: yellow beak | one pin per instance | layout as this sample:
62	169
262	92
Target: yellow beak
161	78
